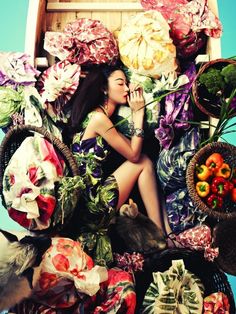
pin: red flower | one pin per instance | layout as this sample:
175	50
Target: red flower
77	274
47	281
65	246
60	262
46	204
20	217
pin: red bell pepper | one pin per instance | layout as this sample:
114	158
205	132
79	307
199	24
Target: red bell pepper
214	201
233	195
214	161
221	186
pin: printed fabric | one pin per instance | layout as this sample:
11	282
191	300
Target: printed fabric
174	291
100	195
84	41
29	183
116	295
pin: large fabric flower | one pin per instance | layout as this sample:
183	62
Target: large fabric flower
15	69
56	86
172	163
174	291
216	303
177	111
190	23
29	183
198	238
66	273
181	212
84	41
145	45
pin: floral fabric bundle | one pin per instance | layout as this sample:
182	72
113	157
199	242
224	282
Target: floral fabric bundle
29	183
198	238
181	212
174	291
145	45
84	41
172	163
216	303
190	22
65	269
177	111
56	86
15	69
116	294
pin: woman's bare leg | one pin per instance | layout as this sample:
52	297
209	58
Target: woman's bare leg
143	173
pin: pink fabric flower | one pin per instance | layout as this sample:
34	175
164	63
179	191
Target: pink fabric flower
216	303
56	86
84	41
198	238
190	22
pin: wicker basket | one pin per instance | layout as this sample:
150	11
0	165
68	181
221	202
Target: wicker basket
203	100
213	278
12	141
228	152
224	239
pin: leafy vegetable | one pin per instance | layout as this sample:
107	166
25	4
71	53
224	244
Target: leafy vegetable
11	101
229	74
213	81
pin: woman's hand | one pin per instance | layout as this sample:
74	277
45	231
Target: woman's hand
136	100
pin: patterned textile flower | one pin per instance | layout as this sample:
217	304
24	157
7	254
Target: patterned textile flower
172	163
190	22
84	41
174	291
216	303
177	111
198	238
15	69
181	212
56	86
145	45
70	273
129	262
29	183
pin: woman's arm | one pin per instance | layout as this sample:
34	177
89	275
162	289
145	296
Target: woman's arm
130	149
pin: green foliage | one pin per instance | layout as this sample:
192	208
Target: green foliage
229	74
213	81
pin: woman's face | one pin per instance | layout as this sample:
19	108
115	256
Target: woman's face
117	88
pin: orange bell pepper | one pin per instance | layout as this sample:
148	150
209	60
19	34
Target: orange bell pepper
202	188
224	171
214	161
203	172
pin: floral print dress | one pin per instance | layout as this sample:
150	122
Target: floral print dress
99	198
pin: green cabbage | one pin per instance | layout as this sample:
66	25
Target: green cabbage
11	101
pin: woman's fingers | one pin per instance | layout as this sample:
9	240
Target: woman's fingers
136	100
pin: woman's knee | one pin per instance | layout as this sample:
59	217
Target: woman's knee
146	162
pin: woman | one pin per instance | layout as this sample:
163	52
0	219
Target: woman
94	135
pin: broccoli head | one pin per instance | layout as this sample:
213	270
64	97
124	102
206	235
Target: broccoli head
229	74
213	81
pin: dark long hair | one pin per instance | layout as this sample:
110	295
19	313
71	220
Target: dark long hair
89	94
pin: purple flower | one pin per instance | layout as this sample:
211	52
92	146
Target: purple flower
164	133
